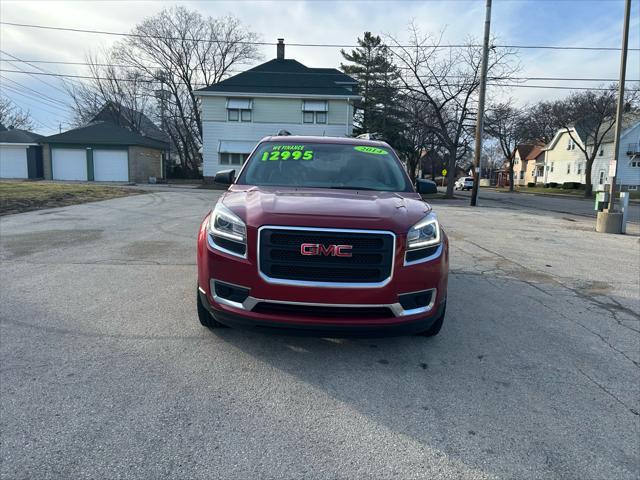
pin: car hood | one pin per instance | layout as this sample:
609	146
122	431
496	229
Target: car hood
325	208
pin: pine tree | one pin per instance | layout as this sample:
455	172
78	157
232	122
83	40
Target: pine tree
372	66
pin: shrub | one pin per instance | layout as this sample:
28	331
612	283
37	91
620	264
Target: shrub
572	185
553	185
531	184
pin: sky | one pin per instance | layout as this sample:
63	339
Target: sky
514	22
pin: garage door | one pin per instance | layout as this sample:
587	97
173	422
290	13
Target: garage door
13	162
110	166
69	164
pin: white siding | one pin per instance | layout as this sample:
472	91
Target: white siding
338	112
627	174
214	109
277	110
13	162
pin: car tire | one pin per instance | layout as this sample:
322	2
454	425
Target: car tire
434	329
206	319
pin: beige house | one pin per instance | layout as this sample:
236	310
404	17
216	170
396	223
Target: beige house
534	170
520	156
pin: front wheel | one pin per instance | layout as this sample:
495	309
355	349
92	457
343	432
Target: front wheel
434	329
206	319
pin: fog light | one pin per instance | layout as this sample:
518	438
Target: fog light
230	292
410	301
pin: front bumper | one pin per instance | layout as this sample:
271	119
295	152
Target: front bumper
410	327
216	265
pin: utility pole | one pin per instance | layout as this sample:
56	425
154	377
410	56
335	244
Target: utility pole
620	105
480	121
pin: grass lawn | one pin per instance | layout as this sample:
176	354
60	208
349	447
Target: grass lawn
16	197
633	196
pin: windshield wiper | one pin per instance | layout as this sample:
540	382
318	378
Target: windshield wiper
351	188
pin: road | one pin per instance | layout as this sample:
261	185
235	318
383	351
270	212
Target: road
569	205
106	373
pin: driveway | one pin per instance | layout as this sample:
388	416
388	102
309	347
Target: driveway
106	372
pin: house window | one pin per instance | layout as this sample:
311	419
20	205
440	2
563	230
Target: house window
233	158
235	115
568	169
601	179
571	145
521	174
552	166
239	109
579	168
314	111
601	153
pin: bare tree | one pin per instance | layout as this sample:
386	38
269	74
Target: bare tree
447	81
126	92
187	51
13	116
587	117
177	50
414	137
506	124
542	120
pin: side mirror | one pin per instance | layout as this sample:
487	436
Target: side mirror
225	177
426	186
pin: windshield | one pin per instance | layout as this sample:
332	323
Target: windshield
325	165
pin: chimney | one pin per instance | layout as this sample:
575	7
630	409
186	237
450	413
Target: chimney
280	49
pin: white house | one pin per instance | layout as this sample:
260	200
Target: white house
280	94
20	154
565	162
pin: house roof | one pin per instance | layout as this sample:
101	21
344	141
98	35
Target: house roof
286	76
127	117
15	135
535	152
524	149
105	133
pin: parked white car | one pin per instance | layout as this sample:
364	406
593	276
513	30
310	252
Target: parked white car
463	183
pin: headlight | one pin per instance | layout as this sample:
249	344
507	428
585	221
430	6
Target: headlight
425	233
226	224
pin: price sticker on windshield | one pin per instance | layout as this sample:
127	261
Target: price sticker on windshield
287	152
371	150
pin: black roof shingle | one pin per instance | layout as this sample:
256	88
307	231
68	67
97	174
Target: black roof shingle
105	133
287	76
15	135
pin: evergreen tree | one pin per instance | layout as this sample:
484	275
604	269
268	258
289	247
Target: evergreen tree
372	66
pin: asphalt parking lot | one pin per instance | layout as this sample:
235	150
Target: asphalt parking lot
106	373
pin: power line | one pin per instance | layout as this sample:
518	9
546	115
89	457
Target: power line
35	66
42	106
568	79
143	80
324	45
31	91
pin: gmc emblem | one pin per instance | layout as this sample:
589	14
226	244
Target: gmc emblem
328	251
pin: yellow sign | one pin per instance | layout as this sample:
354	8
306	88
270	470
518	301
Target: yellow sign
444	172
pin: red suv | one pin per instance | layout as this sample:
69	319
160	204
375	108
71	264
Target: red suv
326	234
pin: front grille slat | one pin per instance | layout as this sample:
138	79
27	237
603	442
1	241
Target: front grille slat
371	260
